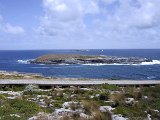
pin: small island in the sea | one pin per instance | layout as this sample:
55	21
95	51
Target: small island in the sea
87	59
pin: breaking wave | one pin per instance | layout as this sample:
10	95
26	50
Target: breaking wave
23	61
154	62
40	67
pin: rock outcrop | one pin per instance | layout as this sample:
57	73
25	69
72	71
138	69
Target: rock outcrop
87	59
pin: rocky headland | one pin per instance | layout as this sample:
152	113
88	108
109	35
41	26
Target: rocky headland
87	59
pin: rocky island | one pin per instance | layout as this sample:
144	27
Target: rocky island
87	59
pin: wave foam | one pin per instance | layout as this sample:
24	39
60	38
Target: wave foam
40	67
104	64
23	61
154	62
151	77
63	64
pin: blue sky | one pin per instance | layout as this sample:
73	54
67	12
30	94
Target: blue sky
79	24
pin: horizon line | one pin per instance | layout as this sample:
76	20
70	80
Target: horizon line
83	49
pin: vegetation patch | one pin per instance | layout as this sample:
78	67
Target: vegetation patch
98	102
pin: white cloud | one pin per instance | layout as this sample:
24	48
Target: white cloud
105	21
137	13
8	28
13	29
66	16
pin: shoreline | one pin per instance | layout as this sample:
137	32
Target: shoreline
18	78
37	76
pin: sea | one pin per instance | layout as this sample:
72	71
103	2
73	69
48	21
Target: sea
17	60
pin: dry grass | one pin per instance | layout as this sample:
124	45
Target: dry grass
42	117
134	92
90	107
118	98
75	106
102	116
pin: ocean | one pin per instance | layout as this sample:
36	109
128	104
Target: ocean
16	60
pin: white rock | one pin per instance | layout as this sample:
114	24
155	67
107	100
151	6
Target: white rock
129	100
156	110
43	116
42	104
67	104
11	93
11	98
91	96
87	89
33	118
145	97
149	117
49	97
63	111
14	115
105	108
97	95
41	100
73	96
118	117
84	116
32	99
114	92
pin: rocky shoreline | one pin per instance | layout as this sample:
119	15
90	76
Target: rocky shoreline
19	75
87	59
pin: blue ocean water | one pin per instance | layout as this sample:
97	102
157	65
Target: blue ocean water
15	61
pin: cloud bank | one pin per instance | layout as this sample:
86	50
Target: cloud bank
88	24
8	28
103	21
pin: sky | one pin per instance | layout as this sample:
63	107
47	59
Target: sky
79	24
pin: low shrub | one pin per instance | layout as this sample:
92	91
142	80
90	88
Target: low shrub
118	98
102	115
25	108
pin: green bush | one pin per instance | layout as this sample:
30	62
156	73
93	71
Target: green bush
57	104
130	111
8	117
24	108
6	110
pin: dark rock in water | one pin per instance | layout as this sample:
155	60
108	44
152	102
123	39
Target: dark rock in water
87	59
